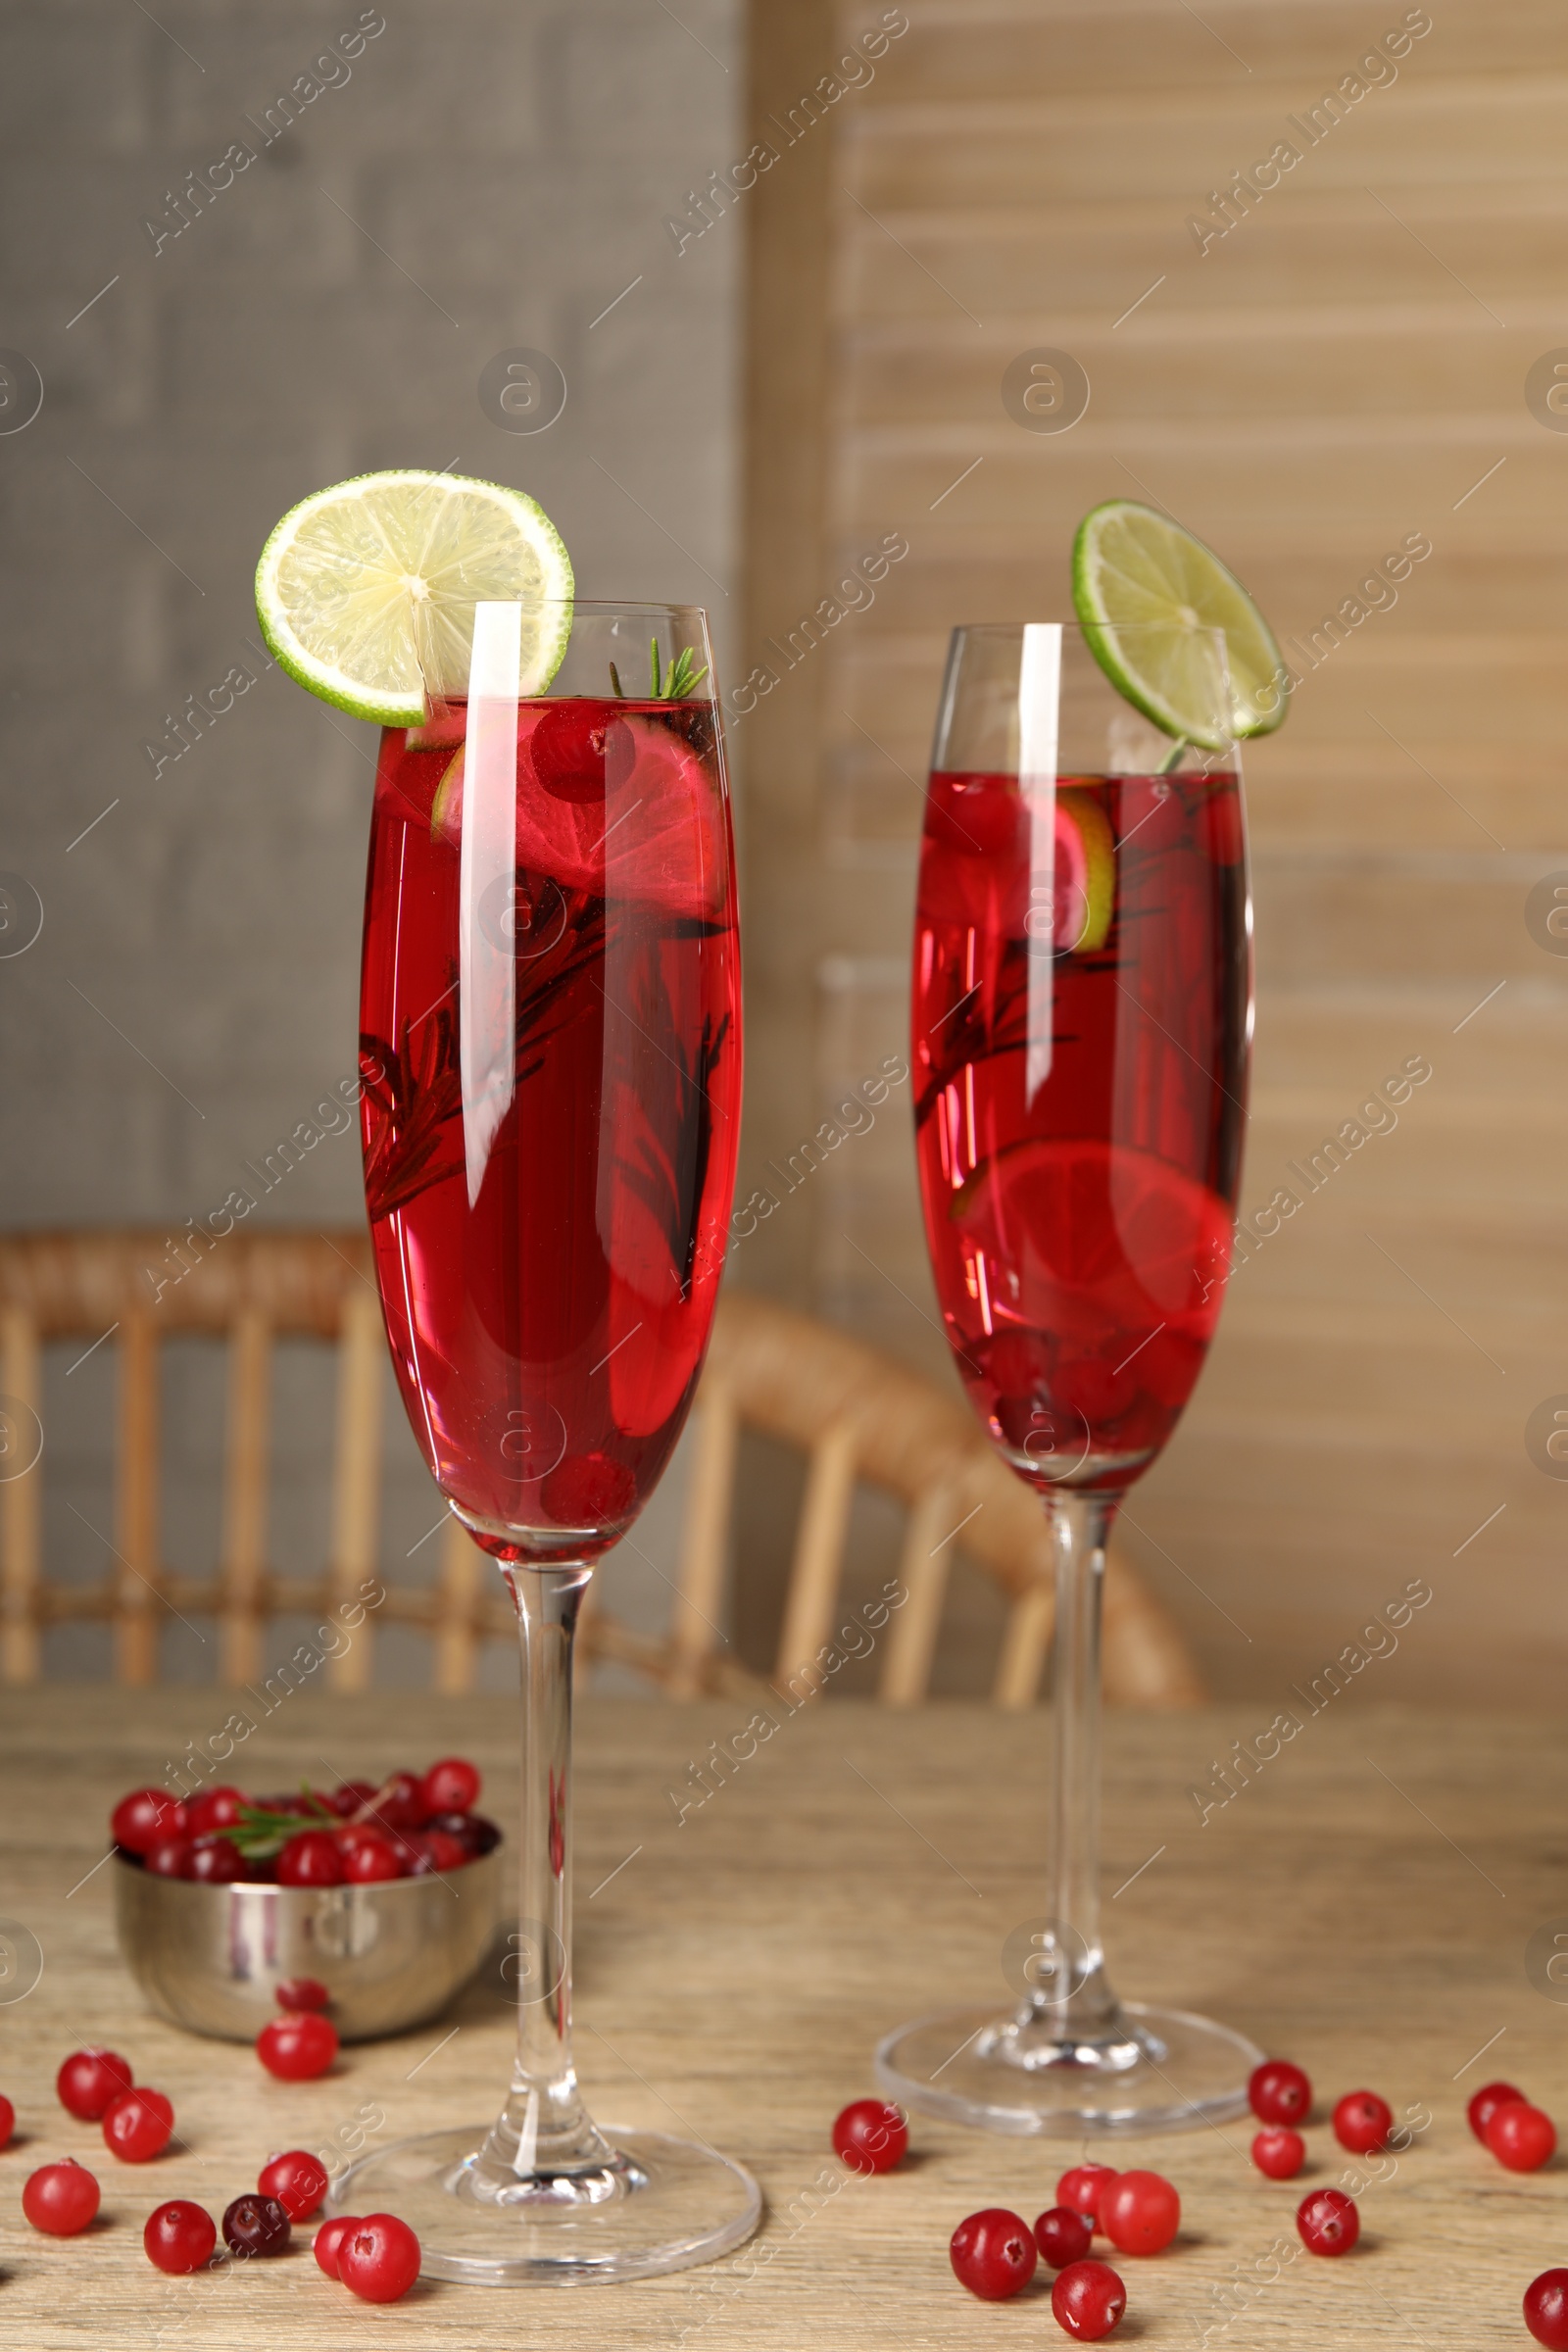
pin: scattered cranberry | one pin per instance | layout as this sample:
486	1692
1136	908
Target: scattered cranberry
371	1860
1521	2136
450	1787
255	2225
870	2136
1087	2300
379	2258
89	2080
298	2046
1546	2310
219	1809
1363	2122
1082	2188
179	2236
1279	2092
993	2253
330	2237
301	1993
297	2181
8	2122
1140	2213
311	1860
61	2198
217	1862
435	1852
1328	2222
1279	2153
138	2125
141	1818
1063	2236
169	1858
1488	2099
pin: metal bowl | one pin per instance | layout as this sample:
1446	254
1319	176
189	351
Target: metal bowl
391	1952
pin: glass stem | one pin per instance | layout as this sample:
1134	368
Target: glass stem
1075	2000
545	2129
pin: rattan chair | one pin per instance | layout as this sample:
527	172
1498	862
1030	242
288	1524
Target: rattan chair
855	1413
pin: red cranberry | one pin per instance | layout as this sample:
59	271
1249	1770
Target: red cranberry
1063	2236
435	1852
1546	2310
8	2122
870	2136
89	2080
1087	2300
311	1860
451	1786
1487	2100
1328	2222
169	1858
297	2181
372	1860
217	1862
298	2046
350	1796
179	2236
139	1819
379	2258
1280	2153
301	1993
329	2237
1363	2122
1082	2188
207	1816
1140	2213
1278	2092
61	2198
993	2253
400	1802
138	2125
468	1829
1521	2136
256	2226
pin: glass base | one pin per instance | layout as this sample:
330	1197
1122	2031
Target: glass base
1150	2070
658	2204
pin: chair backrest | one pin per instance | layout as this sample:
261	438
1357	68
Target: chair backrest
855	1413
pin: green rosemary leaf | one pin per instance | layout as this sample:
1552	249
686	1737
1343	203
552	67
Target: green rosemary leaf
653	655
614	680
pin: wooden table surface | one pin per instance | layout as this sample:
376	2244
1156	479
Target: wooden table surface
1364	1907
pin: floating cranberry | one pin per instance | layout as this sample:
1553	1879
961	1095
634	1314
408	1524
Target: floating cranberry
179	2236
871	2135
8	2122
1546	2310
1082	2188
140	1820
217	1862
311	1860
299	2182
379	2258
169	1858
89	2080
1328	2222
1279	2092
1487	2100
1363	2122
329	2237
138	2125
1279	2152
1521	2136
451	1786
61	2198
993	2253
1063	2236
1140	2213
1087	2300
206	1816
256	2226
298	2046
301	1993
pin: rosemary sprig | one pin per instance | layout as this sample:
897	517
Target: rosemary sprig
670	685
261	1831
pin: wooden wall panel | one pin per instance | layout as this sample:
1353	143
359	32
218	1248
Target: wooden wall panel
1347	365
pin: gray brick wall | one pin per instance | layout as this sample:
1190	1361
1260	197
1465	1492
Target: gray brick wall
485	173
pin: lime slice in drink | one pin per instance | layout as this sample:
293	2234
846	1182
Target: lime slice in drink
342	575
1144	589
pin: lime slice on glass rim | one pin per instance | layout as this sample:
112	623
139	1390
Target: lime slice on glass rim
340	578
1144	589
